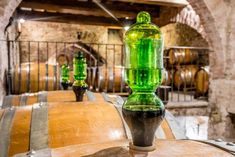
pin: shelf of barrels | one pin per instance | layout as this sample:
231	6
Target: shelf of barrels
186	72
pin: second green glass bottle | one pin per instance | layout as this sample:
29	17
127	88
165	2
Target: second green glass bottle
80	74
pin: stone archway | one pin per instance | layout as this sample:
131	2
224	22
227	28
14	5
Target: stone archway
189	17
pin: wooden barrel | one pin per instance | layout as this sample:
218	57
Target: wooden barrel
34	77
182	56
167	77
110	79
185	76
50	96
61	124
164	148
202	80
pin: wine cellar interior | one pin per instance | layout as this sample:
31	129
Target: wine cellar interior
38	37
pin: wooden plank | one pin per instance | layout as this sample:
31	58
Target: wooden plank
167	130
65	96
174	127
20	131
83	122
111	5
66	18
172	3
5	130
15	100
32	99
76	9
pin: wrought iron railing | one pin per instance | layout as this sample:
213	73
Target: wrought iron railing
35	66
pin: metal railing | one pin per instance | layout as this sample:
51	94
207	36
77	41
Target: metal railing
105	67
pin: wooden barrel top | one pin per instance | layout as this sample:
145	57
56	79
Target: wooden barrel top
67	123
164	148
51	96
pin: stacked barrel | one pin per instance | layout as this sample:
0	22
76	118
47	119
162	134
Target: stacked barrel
185	71
34	77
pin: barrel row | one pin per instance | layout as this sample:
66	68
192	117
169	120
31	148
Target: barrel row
182	56
189	76
59	124
34	77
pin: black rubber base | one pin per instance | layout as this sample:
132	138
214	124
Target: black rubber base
79	92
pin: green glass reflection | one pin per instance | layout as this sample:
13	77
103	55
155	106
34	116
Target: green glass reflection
64	73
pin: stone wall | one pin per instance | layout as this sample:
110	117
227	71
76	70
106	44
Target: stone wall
62	32
7	7
175	34
218	19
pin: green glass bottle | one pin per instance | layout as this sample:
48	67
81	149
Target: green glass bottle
143	110
65	73
65	76
79	67
80	74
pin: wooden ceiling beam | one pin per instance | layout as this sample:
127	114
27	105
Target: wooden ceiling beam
110	5
171	3
75	10
67	18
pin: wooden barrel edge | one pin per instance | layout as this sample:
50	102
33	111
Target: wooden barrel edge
103	149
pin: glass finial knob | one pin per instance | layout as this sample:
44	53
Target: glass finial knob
143	17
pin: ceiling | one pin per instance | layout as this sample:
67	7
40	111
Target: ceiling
95	12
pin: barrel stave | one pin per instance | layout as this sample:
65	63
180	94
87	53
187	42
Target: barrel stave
182	56
110	79
20	131
68	124
202	80
185	76
63	122
34	77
